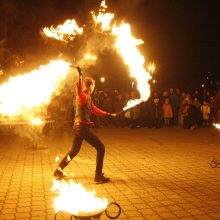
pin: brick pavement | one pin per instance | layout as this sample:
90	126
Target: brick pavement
156	174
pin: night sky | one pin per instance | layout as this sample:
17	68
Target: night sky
182	37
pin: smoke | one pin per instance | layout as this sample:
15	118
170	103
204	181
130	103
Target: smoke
31	136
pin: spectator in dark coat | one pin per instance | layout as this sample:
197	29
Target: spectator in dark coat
175	103
118	104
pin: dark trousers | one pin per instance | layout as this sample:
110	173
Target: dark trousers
82	132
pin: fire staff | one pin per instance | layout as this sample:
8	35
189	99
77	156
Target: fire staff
82	125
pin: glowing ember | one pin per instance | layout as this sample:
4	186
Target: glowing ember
25	95
64	32
217	125
73	198
37	121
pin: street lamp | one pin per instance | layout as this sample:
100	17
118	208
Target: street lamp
102	79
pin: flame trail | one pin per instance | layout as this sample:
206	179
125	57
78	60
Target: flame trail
24	95
64	32
126	45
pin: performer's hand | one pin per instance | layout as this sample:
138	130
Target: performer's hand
79	70
112	115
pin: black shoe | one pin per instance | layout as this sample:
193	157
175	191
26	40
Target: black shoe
59	174
99	179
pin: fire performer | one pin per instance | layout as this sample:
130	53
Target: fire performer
82	124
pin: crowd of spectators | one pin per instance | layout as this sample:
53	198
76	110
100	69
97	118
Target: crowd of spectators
172	107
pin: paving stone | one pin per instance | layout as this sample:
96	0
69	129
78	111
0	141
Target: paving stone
150	176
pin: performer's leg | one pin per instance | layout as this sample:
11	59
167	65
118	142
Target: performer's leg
93	140
77	142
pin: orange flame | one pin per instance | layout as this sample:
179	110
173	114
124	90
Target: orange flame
73	198
64	32
26	94
126	45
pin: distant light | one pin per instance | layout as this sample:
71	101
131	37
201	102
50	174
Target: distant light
202	85
90	57
151	68
132	85
1	72
37	121
217	125
154	81
102	79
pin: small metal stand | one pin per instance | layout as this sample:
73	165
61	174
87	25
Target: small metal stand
95	216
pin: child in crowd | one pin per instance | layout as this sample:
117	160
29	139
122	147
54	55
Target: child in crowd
206	110
167	112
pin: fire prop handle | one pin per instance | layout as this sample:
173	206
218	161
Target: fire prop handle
97	215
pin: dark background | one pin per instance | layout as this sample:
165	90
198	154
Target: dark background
182	37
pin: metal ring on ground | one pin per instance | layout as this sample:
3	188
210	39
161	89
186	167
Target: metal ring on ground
215	163
55	216
119	210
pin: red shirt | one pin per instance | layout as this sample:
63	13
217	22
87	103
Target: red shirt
82	98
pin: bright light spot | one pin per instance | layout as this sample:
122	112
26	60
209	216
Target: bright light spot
57	159
37	121
202	86
1	72
102	79
151	68
90	57
217	125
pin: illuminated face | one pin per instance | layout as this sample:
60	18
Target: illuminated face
92	87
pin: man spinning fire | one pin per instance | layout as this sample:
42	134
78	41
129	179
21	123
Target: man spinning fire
82	124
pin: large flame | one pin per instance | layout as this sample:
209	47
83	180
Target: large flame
64	32
126	45
104	19
26	94
73	198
